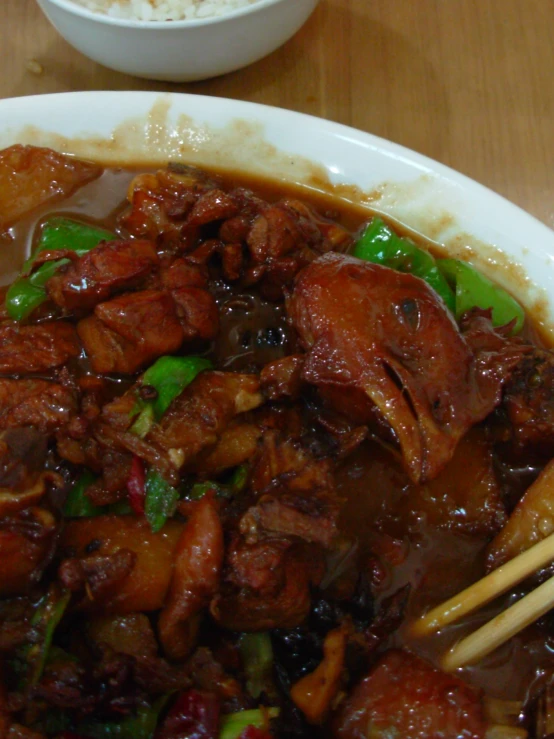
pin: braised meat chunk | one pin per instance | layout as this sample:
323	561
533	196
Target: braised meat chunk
382	348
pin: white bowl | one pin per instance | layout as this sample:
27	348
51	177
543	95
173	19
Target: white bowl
180	51
466	218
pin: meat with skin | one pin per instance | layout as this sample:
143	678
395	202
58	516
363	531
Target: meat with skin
101	273
196	572
31	176
131	331
36	348
161	203
199	416
101	576
382	349
268	584
45	405
406	697
296	495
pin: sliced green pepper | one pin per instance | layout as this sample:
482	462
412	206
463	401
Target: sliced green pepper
168	376
46	618
379	244
236	484
27	293
161	500
475	290
233	724
256	653
78	504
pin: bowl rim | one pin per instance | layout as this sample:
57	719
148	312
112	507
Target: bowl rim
79	10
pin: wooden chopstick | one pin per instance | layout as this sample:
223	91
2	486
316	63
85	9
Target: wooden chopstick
501	628
488	588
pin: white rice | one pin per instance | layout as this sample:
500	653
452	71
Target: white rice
163	10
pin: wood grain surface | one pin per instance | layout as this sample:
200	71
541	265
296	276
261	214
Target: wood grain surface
467	82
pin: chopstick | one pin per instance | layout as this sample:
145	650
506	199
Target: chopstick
505	625
501	628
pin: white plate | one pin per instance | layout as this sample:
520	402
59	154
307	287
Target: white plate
468	219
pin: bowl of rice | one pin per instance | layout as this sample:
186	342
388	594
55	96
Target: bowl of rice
177	40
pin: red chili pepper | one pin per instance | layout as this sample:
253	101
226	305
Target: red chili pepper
194	715
252	732
136	486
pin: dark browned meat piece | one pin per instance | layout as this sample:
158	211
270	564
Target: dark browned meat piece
161	203
27	539
100	575
196	571
213	205
383	350
37	348
129	332
108	269
45	405
296	494
267	585
283	378
30	176
406	697
529	404
198	417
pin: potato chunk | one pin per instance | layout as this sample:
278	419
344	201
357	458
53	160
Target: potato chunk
31	176
146	586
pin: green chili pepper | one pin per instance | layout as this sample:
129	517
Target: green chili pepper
475	290
78	504
233	724
141	726
46	618
169	376
236	484
379	244
161	500
27	293
257	658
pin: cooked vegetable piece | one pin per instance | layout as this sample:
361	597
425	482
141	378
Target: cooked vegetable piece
236	484
46	619
166	379
315	692
257	659
531	520
379	244
58	234
31	176
234	724
160	500
473	289
78	504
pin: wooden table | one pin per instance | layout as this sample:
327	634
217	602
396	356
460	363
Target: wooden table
467	82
